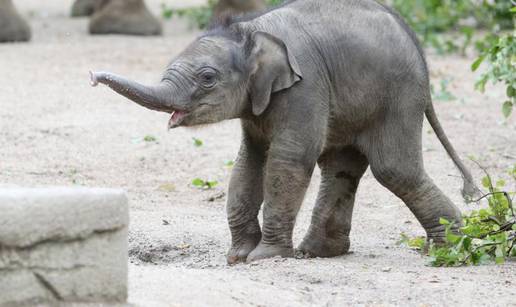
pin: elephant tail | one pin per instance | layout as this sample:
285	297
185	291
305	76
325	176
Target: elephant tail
469	189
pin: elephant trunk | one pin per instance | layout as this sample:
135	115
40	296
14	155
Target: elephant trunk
158	98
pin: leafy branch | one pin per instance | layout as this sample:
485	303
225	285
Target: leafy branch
501	58
487	234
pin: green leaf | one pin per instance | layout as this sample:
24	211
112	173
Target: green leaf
467	243
197	142
452	238
486	182
418	243
511	91
477	63
404	239
204	184
211	184
167	13
150	138
500	183
484	258
198	182
507	108
444	221
414	243
499	254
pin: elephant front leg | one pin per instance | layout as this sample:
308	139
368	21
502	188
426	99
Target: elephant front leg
286	182
328	235
245	197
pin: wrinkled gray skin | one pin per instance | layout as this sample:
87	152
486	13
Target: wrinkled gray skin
13	28
346	91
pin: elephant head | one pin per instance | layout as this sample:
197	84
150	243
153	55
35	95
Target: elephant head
227	73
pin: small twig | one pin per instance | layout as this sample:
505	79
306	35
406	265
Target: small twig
503	228
491	188
513	238
487	195
510	203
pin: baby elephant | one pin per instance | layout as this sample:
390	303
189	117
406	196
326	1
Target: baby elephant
341	84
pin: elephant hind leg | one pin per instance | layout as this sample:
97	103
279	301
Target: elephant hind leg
395	154
328	235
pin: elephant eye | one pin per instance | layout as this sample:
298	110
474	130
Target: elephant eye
208	78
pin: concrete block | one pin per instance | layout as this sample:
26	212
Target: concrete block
63	245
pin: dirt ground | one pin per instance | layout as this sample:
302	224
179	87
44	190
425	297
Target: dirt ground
57	130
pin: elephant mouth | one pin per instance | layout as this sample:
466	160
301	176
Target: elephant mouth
176	119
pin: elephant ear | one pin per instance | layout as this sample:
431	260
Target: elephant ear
275	69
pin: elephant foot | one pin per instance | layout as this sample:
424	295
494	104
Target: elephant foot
436	238
264	251
81	8
324	247
238	252
437	234
124	17
13	28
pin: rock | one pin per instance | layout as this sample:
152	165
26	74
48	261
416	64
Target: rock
66	245
13	28
386	269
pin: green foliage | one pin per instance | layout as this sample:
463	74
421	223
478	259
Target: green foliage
428	18
460	18
274	2
204	184
199	16
414	243
487	235
443	94
501	58
197	142
150	138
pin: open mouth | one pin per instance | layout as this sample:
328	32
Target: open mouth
176	119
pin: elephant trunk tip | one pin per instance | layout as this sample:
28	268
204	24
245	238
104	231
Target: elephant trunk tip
94	81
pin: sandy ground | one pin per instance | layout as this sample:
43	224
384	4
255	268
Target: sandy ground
56	130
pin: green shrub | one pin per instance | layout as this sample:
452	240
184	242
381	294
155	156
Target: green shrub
197	16
488	234
458	18
501	59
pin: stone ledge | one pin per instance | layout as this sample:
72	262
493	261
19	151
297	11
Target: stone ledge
30	216
63	245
